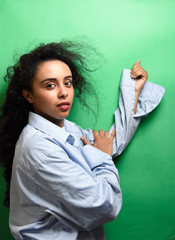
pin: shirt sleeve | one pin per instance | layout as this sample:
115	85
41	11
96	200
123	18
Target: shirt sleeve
126	122
81	190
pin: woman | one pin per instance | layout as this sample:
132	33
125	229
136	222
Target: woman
64	184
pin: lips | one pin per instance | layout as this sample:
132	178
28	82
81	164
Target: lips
64	106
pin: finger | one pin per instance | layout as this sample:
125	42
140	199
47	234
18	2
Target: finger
112	134
101	132
136	68
137	73
136	64
95	134
85	141
106	134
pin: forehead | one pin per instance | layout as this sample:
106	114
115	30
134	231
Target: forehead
52	68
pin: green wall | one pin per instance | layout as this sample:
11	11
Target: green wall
123	31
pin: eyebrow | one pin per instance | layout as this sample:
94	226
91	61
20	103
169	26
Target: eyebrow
54	79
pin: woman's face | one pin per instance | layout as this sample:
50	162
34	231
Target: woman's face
52	91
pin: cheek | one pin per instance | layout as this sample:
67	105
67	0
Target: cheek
71	93
43	100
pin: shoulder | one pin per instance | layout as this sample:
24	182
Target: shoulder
34	144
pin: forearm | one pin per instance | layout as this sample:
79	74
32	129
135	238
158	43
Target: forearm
136	101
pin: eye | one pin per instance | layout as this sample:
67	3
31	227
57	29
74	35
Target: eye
50	85
68	83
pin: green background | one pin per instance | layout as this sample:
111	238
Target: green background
123	31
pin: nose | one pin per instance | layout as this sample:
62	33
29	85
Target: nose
62	93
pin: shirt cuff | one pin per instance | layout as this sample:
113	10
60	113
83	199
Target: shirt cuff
149	97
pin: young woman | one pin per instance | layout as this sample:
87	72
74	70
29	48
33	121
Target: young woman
63	183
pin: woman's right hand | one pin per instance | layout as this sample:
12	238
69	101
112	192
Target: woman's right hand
103	141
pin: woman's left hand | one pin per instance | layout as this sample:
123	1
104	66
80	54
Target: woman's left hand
138	73
102	141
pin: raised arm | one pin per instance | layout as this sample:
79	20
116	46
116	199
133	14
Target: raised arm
138	97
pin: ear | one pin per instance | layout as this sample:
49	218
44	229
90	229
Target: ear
27	95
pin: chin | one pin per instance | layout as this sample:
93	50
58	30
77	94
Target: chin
63	116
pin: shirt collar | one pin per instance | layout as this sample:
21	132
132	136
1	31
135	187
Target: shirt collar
49	128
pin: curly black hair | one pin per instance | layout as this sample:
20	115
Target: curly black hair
15	110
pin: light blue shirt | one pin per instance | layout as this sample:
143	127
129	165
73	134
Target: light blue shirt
63	190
